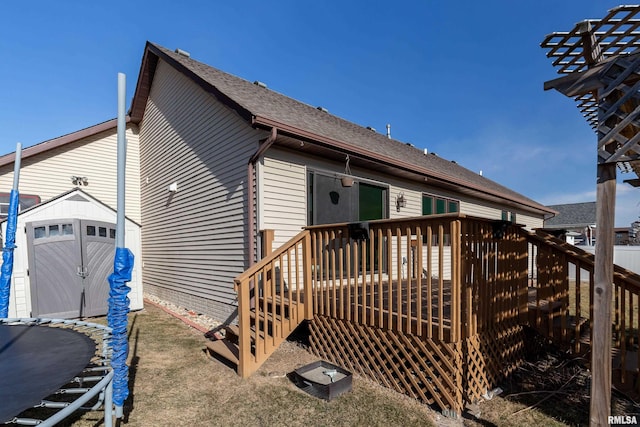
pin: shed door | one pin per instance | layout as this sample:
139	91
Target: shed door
69	263
98	245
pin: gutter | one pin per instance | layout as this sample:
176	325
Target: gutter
251	181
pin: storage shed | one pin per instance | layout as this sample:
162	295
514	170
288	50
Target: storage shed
64	256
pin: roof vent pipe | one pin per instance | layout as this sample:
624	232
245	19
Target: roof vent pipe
426	151
389	131
480	172
183	53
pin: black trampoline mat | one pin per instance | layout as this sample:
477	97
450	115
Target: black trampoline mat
35	361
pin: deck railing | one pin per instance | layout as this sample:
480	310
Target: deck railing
396	274
444	277
494	276
562	282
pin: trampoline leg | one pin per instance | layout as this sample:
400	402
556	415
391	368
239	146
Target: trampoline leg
108	405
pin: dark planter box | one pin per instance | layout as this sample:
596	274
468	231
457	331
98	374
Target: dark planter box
314	380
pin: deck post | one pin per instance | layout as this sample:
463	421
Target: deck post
456	274
244	345
306	271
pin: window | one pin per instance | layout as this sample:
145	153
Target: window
54	230
328	202
433	205
39	232
509	216
67	229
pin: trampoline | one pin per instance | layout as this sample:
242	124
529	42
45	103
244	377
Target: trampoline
56	366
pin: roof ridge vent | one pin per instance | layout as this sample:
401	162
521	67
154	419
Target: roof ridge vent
183	53
372	129
324	110
260	84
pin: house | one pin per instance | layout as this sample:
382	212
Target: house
248	160
208	134
575	221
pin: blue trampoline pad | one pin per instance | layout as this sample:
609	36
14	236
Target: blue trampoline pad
36	361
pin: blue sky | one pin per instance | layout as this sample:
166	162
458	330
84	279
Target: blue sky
461	78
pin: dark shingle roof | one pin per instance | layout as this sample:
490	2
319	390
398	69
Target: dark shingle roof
260	105
572	215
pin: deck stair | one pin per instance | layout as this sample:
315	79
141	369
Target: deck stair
268	325
227	348
271	305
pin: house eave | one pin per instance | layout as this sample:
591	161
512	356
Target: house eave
60	141
145	80
390	165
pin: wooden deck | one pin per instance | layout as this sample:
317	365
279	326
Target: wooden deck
444	336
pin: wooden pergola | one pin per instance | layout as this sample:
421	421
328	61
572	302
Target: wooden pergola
599	60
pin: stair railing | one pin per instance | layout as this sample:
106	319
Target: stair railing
561	284
273	299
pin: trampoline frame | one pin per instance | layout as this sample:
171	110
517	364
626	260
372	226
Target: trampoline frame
98	372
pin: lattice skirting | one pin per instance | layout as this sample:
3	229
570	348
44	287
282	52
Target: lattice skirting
490	357
443	374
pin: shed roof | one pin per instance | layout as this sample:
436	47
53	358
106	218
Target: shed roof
71	194
264	108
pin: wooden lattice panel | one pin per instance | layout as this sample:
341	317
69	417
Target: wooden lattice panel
421	368
490	357
442	374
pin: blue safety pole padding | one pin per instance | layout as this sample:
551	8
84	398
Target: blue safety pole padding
117	320
7	254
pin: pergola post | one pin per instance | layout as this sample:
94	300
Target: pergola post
600	405
600	62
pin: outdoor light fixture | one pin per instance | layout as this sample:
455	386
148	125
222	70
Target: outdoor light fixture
401	202
173	187
79	180
347	179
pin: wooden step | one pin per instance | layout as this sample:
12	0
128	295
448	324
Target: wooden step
224	349
232	333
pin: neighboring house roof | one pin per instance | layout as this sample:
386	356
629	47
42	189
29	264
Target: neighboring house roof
60	141
573	215
264	108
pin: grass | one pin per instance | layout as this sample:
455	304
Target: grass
174	383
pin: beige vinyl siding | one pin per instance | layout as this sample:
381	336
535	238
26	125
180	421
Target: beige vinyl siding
48	174
283	183
193	240
282	197
531	222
